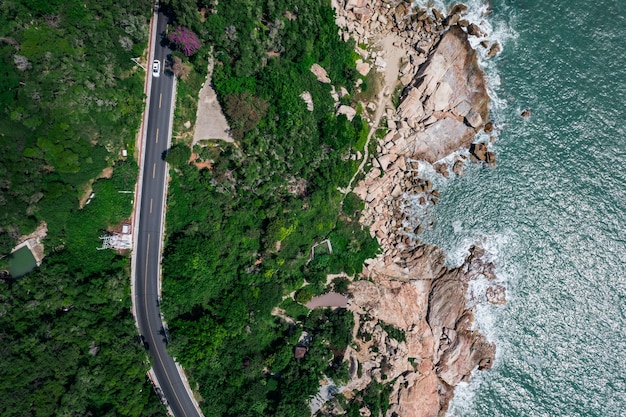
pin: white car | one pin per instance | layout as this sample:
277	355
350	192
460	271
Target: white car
156	68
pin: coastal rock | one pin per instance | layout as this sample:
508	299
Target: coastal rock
438	15
441	97
458	167
449	79
420	397
408	286
479	150
494	50
440	139
458	8
441	347
473	119
452	19
474	30
496	294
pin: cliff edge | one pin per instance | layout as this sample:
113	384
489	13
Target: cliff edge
414	314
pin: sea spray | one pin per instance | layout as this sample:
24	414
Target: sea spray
495	29
558	195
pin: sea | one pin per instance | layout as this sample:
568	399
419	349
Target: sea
552	214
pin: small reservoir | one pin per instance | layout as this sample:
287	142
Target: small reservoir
21	262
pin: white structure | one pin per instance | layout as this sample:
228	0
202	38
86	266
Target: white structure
117	241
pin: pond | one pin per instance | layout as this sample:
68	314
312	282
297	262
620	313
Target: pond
21	262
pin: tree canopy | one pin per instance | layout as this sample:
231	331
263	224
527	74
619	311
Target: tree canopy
70	101
240	233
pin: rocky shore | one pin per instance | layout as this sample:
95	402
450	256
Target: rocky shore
443	105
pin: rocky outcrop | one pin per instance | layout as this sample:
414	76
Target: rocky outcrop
429	306
447	103
409	286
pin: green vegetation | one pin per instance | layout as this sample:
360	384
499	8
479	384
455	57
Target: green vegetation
70	100
375	397
178	155
393	332
69	344
240	234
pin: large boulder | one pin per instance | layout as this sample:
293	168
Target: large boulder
449	83
347	111
440	139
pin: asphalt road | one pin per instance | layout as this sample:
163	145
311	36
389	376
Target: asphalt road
149	237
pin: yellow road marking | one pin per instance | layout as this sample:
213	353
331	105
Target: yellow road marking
157	135
150	206
145	283
154	170
160	99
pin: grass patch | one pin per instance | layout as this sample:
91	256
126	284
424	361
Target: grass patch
362	139
187	104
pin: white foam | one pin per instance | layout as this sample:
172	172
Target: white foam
464	396
457	226
487	317
496	28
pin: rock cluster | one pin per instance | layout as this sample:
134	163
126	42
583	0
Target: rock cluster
429	306
443	106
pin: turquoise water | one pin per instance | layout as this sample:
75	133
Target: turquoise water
21	262
553	214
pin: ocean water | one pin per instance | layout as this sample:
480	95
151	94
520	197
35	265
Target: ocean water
552	214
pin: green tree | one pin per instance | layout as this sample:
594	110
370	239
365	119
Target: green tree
178	155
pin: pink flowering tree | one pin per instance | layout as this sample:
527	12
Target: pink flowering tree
185	40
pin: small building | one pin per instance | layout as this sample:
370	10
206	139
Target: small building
299	352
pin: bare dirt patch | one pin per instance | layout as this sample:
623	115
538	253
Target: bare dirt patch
331	299
210	121
34	242
199	163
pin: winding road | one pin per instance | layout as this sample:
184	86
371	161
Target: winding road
149	234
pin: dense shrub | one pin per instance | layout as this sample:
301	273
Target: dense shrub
184	40
248	223
178	155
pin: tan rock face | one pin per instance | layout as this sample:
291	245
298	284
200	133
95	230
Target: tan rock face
320	73
419	398
441	348
449	83
408	286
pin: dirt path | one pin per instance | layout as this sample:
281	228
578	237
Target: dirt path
392	57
